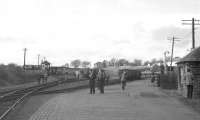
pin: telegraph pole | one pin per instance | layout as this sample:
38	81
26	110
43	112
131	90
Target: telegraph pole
172	52
25	49
193	23
38	60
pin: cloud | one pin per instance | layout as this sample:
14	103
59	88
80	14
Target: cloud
162	34
16	40
117	42
92	29
7	39
172	6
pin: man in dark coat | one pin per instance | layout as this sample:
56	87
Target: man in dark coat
101	80
92	81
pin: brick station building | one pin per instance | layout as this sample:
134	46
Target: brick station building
189	74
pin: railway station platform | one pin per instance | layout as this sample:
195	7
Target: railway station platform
140	101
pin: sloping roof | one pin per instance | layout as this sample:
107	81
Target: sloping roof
193	56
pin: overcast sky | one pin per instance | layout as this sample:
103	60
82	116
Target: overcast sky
94	30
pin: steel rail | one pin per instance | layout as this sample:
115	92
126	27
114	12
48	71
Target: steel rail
13	106
16	103
27	92
21	98
7	94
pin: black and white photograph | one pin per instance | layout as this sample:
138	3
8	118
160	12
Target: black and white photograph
100	60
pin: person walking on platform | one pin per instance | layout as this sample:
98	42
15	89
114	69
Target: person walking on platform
123	80
101	80
92	81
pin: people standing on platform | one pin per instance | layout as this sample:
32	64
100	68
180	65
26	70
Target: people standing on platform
123	80
101	80
189	82
92	82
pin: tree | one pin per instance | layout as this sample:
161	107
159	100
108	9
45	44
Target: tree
98	65
12	65
75	63
156	61
138	62
85	64
160	60
66	65
122	62
153	61
112	62
146	63
105	63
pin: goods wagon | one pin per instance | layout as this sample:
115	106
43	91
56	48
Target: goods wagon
133	72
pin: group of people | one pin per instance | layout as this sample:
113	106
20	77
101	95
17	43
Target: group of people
97	78
100	78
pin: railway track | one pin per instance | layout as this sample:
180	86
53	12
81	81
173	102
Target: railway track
10	100
10	105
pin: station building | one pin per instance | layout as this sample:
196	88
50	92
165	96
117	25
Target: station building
189	74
